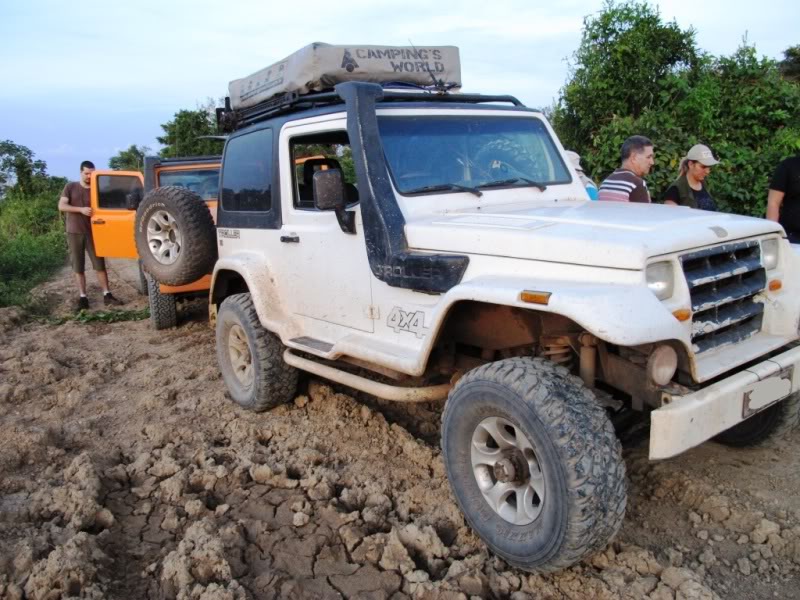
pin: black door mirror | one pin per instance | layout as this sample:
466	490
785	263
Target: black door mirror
329	194
133	199
328	189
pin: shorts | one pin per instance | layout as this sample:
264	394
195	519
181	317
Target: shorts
79	245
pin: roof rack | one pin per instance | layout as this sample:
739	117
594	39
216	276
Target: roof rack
229	119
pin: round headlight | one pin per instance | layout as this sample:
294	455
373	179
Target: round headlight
662	364
769	254
660	279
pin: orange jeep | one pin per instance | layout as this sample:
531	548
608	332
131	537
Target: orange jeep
115	196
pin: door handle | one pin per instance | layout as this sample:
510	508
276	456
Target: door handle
98	222
290	239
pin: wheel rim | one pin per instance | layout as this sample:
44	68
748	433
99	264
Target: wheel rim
507	471
239	353
164	237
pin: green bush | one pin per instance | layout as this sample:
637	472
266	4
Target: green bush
32	241
678	96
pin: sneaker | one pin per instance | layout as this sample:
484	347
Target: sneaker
83	303
110	300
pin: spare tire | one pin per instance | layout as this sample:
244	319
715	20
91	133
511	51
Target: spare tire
175	236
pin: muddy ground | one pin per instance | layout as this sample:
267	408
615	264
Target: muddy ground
126	472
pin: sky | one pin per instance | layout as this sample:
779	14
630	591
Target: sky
84	80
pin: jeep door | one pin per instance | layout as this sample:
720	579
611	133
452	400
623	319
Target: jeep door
328	268
112	214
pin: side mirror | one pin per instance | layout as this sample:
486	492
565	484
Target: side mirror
133	199
328	189
329	194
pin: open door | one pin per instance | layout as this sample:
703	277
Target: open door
113	212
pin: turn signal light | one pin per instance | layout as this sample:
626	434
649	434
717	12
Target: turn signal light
775	285
682	314
533	297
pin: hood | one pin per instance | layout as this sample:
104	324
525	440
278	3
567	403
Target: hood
603	234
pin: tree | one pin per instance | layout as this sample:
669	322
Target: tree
739	105
182	135
131	159
790	65
625	52
19	168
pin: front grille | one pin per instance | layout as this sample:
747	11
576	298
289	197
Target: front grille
723	282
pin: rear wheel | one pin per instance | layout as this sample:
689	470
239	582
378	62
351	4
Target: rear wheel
767	425
251	358
141	282
175	236
163	307
534	463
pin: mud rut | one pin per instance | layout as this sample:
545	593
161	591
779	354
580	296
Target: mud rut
125	472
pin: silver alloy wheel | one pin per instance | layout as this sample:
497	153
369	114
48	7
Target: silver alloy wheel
239	352
507	471
164	237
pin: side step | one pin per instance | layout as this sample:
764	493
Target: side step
314	345
430	393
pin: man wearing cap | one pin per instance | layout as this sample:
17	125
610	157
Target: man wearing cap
627	183
588	184
689	188
783	200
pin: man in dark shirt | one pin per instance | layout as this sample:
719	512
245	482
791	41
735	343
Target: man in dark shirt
626	184
783	200
75	203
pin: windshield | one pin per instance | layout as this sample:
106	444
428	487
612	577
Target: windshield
204	182
432	153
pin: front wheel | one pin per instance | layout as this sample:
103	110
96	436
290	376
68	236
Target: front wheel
251	358
534	463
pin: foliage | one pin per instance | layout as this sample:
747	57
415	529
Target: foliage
625	52
790	65
738	105
131	159
103	316
32	241
182	134
19	168
26	261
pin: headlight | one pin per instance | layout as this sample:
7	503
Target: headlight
660	279
769	254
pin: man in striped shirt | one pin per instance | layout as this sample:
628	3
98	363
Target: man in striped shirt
626	184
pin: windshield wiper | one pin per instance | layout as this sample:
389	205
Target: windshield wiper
445	186
501	182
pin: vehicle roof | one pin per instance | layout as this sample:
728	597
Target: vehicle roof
186	160
279	120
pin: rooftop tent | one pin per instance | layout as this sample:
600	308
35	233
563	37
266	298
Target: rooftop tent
319	66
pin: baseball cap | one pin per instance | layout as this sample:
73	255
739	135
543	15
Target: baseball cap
702	154
574	158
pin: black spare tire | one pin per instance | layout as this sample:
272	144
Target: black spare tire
175	236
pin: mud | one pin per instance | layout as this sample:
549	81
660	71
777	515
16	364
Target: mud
126	472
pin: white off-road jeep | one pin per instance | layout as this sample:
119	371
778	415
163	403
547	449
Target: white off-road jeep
430	246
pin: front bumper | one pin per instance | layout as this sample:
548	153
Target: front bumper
686	421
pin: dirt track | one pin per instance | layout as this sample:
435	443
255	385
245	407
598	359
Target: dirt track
125	472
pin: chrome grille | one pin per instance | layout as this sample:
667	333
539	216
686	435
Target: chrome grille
723	282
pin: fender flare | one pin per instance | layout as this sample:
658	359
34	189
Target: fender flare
253	268
621	314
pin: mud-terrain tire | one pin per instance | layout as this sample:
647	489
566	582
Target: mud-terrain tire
141	282
551	429
175	235
765	426
251	358
163	307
